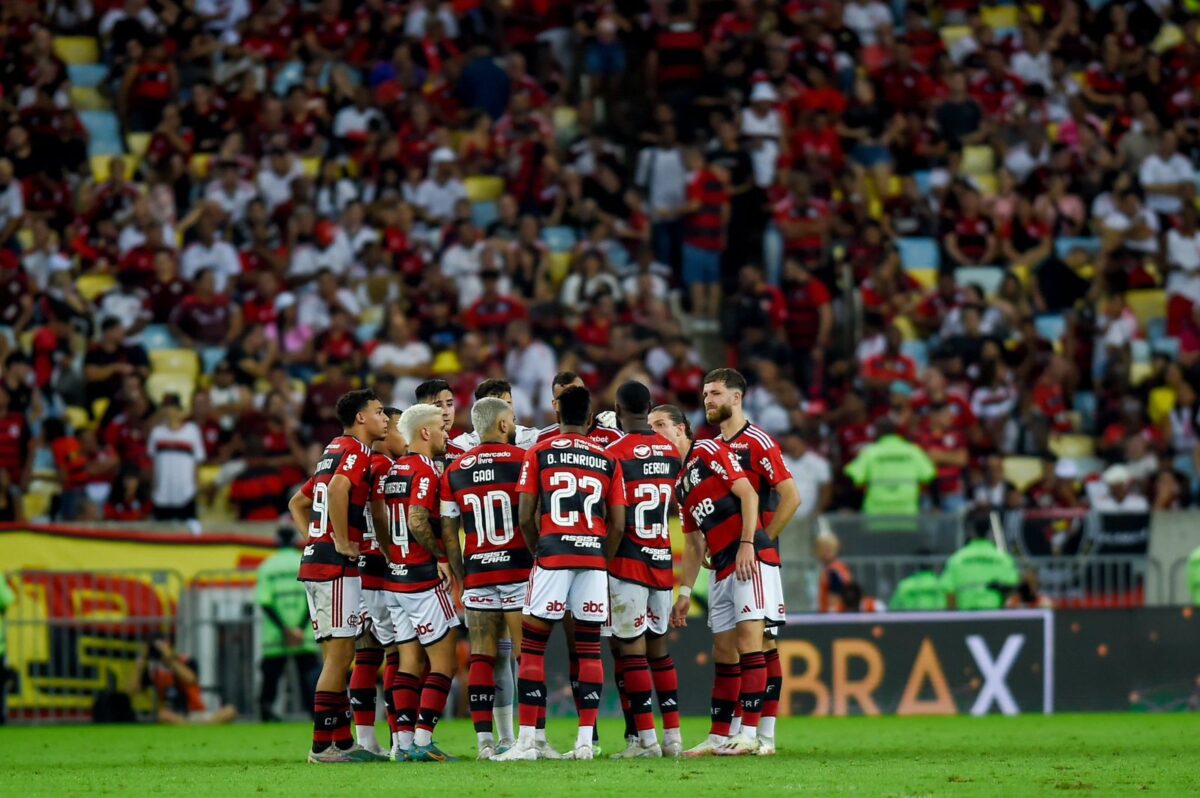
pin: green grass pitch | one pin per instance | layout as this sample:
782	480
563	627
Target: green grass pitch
994	756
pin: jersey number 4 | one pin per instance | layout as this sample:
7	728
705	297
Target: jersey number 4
398	526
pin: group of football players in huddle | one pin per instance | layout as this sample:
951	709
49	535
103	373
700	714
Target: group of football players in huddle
528	528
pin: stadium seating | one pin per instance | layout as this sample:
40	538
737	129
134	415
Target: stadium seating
87	98
1051	326
93	286
919	253
77	49
175	361
986	277
1072	446
484	188
978	159
484	213
87	75
1147	305
159	385
104	132
156	337
1023	472
559	239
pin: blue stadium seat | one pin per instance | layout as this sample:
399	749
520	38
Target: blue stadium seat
924	182
87	75
1085	403
1156	328
918	351
104	131
618	258
1051	326
1140	350
559	239
1063	246
211	357
919	253
1166	346
158	336
484	213
366	332
986	277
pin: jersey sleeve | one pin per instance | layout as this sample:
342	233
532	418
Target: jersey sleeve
529	481
616	487
449	508
425	491
355	467
770	460
725	464
686	522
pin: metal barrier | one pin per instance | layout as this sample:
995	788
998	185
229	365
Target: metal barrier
77	637
218	626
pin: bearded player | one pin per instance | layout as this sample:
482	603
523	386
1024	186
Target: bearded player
421	606
641	576
719	509
479	491
571	500
778	500
336	524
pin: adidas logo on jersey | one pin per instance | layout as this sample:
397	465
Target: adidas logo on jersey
745	609
592	696
534	694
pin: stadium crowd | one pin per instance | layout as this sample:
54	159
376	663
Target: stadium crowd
970	223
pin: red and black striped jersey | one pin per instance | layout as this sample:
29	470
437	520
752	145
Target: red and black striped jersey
649	466
707	504
453	452
372	565
481	488
574	481
350	457
604	436
412	481
762	462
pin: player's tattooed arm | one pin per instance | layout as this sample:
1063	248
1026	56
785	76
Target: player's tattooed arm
527	508
453	548
421	528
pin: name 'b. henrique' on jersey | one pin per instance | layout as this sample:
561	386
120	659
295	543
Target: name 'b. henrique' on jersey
649	465
481	487
574	481
350	457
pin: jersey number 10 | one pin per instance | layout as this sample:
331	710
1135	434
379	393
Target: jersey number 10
493	514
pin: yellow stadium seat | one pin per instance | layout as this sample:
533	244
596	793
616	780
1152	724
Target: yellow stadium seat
36	504
1169	37
560	266
986	184
159	385
100	407
446	363
895	186
175	361
484	188
200	162
102	167
1052	131
25	238
906	328
996	17
87	98
1140	372
1073	446
926	277
311	166
1159	404
1022	471
206	475
1147	304
77	49
78	417
1036	12
137	144
93	286
565	117
978	159
951	34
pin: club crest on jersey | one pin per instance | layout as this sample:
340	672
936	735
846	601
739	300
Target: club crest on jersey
467	461
642	451
561	443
